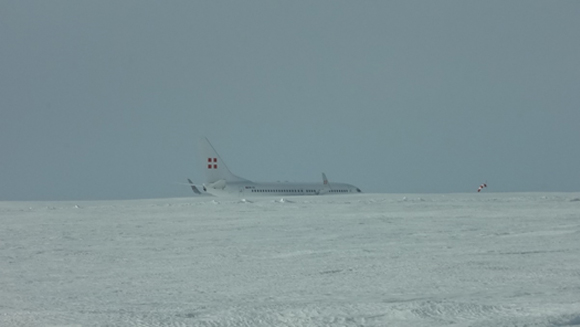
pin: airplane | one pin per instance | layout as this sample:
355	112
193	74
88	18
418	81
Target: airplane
220	181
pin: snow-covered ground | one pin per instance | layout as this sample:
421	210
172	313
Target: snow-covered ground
490	259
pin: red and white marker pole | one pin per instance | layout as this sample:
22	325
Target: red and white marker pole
481	187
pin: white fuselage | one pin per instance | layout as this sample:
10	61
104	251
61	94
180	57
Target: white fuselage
279	188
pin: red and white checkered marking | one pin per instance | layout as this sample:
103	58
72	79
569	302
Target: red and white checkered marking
210	165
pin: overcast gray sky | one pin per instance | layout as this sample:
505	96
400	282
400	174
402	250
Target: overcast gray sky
105	99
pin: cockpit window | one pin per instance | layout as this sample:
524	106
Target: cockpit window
358	190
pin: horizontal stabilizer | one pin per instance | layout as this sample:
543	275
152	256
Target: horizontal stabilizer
193	188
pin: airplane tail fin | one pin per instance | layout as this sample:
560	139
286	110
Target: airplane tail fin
213	165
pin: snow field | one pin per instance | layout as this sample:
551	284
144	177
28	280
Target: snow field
487	259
